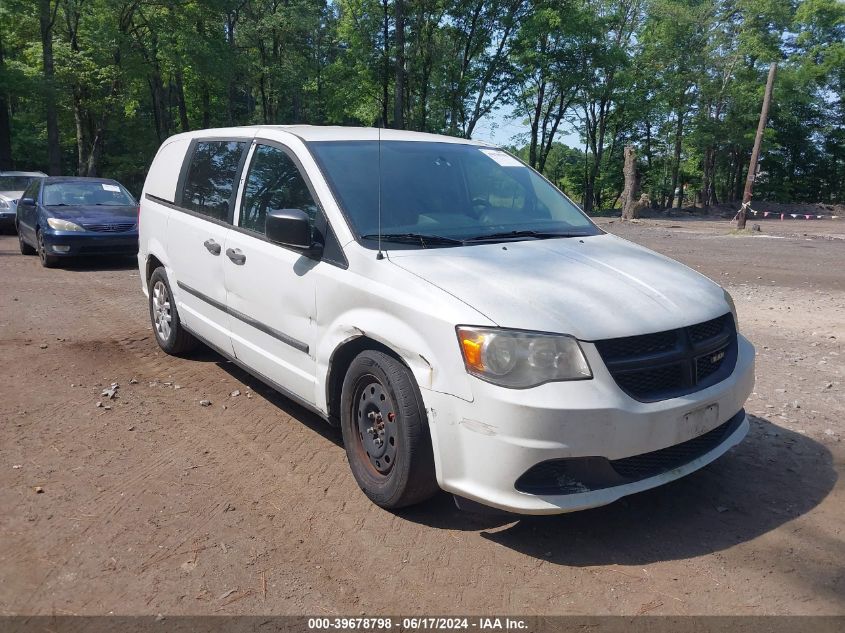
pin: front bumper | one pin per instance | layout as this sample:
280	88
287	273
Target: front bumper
483	447
84	243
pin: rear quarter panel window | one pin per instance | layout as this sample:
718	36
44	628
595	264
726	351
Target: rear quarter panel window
163	177
211	178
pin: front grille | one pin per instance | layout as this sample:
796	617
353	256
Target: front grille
584	474
110	228
657	462
122	249
673	363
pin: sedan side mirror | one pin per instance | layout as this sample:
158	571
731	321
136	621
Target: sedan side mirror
26	201
292	228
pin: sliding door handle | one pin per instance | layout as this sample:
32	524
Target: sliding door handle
236	256
212	246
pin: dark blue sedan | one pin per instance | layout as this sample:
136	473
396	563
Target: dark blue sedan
72	216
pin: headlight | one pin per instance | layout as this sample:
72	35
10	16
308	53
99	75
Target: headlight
4	204
63	225
512	358
730	301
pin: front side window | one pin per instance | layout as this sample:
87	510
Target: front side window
210	180
70	193
32	190
273	183
457	191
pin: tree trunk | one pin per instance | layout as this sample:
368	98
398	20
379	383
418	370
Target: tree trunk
6	161
385	80
758	140
54	155
232	89
676	159
180	100
72	19
81	140
205	97
631	192
535	123
399	88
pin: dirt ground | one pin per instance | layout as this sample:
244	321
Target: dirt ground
161	505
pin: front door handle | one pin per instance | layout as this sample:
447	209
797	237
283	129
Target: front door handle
212	246
236	256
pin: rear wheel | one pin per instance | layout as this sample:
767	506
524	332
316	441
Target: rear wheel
48	261
385	431
26	249
170	335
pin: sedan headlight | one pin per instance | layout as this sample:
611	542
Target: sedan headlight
4	204
730	301
517	359
63	225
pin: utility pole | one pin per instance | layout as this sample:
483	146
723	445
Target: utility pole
755	153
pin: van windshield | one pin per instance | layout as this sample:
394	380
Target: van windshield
447	194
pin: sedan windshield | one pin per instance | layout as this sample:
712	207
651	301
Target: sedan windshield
108	194
441	194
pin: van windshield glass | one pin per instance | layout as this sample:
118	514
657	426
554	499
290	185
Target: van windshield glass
449	192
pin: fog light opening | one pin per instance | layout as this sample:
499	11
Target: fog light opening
61	248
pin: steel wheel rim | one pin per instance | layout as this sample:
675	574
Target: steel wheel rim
375	425
161	310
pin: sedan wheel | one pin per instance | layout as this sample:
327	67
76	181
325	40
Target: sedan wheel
26	249
48	261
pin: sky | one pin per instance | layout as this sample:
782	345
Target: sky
504	127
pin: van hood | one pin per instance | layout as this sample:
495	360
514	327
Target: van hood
592	288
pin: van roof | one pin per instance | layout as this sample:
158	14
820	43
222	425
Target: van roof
318	133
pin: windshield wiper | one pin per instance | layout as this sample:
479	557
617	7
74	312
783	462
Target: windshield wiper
410	238
518	234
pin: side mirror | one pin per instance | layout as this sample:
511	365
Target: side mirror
26	201
292	228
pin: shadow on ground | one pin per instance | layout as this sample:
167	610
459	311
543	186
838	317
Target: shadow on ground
774	476
285	405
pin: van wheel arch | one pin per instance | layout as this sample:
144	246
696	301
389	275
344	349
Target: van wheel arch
339	363
153	262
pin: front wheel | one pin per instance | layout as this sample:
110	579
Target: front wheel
26	249
170	335
48	261
385	432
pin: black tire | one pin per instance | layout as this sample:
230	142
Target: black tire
48	261
175	340
381	401
26	249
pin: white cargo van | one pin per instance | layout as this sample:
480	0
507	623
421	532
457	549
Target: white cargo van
461	320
